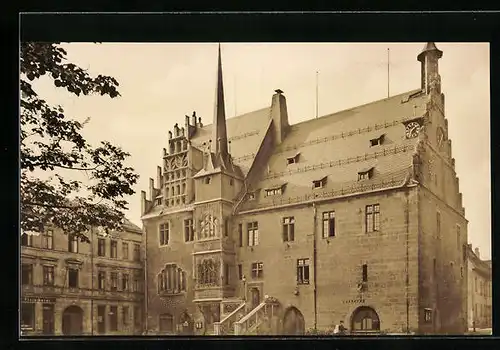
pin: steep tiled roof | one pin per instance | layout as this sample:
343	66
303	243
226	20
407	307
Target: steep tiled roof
337	146
130	226
245	133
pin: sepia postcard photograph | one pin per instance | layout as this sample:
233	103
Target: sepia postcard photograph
255	189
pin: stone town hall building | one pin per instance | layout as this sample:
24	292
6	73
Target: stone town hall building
256	226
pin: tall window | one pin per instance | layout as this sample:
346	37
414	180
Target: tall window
72	243
288	229
253	233
113	318
172	280
101	319
372	219
302	271
125	315
137	284
27	240
329	224
257	270
73	278
114	281
125	282
101	279
48	275
208	272
458	236
27	316
114	249
166	323
427	315
240	235
188	230
137	252
438	225
27	274
101	247
365	273
125	250
164	231
240	271
48	239
226	274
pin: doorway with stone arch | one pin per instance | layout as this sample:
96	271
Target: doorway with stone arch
365	319
72	320
293	322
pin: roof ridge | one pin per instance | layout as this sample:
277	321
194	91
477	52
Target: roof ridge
359	106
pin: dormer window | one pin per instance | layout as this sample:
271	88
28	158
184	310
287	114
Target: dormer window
365	174
319	183
158	200
275	191
251	195
292	160
377	141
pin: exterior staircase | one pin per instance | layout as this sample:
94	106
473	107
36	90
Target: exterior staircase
238	320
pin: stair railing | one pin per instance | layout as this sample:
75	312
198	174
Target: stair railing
226	325
263	311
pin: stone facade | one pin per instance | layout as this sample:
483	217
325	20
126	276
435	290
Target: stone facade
478	290
60	284
353	217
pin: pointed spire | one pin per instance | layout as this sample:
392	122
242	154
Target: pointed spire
219	127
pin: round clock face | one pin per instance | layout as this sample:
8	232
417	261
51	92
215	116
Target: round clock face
412	130
440	137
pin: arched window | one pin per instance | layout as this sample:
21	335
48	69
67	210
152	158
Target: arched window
171	280
166	323
365	319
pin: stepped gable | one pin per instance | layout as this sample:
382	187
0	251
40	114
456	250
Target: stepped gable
332	149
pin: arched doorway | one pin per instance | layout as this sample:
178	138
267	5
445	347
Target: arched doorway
293	322
255	297
365	319
72	320
186	324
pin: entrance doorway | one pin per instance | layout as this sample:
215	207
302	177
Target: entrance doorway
255	297
48	319
365	319
186	324
293	322
72	320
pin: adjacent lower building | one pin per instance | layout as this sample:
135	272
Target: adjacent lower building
256	226
478	290
70	287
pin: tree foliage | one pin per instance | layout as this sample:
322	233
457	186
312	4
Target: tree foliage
51	141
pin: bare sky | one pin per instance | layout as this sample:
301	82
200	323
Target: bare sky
161	83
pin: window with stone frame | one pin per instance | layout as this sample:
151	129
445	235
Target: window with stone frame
427	315
209	227
72	243
113	249
253	233
27	316
27	240
188	230
48	275
372	218
114	281
101	280
288	229
171	280
48	239
257	270
302	271
125	315
164	233
137	252
240	235
73	274
26	274
125	282
125	250
101	319
113	318
365	273
101	247
328	224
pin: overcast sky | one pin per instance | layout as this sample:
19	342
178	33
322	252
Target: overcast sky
161	83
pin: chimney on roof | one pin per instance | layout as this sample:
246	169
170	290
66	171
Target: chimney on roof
279	114
193	119
476	251
143	202
199	122
151	189
159	176
430	79
169	134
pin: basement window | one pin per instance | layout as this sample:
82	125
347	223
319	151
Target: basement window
319	183
365	174
293	160
377	141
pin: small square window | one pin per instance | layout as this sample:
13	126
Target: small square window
207	180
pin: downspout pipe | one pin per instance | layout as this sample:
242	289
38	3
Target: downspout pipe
315	258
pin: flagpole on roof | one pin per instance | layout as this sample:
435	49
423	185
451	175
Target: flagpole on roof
317	103
388	72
